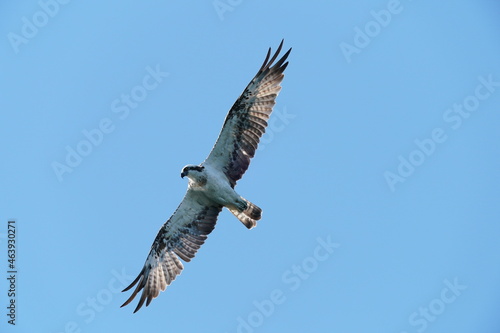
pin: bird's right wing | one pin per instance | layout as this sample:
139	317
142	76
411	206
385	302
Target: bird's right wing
247	120
180	237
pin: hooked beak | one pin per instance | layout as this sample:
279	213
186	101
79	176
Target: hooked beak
183	174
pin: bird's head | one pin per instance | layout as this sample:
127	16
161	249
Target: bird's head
192	171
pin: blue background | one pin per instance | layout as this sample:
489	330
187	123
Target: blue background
343	121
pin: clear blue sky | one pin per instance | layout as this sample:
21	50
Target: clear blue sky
378	177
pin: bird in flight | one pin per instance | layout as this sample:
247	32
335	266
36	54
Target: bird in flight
211	184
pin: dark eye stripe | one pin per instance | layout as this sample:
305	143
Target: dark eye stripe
197	168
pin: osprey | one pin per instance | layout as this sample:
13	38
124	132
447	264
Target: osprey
211	184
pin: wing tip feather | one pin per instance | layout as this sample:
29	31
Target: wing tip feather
269	62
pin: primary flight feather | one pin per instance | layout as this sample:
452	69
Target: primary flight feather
211	184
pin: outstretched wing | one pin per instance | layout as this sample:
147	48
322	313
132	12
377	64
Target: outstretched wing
247	120
180	237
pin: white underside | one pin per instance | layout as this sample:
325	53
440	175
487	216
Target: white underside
217	188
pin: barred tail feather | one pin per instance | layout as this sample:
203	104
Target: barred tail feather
249	215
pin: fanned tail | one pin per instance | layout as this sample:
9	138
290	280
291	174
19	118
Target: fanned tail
249	215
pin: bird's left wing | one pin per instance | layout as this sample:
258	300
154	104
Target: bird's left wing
180	237
247	120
